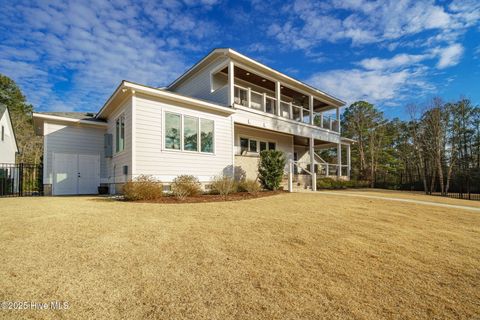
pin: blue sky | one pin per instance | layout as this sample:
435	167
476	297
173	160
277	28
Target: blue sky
71	55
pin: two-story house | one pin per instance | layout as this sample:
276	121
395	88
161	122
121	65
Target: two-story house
213	120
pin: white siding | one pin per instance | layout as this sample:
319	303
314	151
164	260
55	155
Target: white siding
7	146
152	159
199	85
74	139
119	160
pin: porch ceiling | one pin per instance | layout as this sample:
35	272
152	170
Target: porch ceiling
303	141
318	106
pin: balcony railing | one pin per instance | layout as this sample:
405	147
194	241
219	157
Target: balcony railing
263	102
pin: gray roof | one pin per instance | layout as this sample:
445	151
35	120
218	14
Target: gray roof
2	110
74	115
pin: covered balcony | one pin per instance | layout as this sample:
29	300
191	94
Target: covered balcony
257	92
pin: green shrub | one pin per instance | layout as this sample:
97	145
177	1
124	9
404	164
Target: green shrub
223	185
143	188
330	183
271	168
185	186
249	185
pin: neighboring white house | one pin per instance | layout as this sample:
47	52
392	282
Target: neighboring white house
8	142
213	120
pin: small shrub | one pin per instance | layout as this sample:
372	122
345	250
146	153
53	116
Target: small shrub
224	185
271	168
185	186
330	183
249	185
143	188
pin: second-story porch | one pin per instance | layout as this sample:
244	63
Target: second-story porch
255	91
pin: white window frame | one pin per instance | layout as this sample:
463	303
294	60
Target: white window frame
121	119
258	140
182	134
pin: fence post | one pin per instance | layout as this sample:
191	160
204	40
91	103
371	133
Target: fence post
20	179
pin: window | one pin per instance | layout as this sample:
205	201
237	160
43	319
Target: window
120	134
172	131
198	134
190	133
252	146
263	146
206	136
243	145
3	133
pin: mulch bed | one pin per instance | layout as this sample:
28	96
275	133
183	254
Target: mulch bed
215	197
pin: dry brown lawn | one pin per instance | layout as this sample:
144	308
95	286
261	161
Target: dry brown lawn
290	256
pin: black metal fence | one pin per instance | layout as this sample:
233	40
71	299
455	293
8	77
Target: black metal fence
21	180
462	186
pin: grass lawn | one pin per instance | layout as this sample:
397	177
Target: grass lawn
290	256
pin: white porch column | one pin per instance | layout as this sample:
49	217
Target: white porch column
310	104
277	96
312	164
231	83
339	160
349	161
290	175
338	119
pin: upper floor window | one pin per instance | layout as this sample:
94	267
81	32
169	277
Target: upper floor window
120	134
3	133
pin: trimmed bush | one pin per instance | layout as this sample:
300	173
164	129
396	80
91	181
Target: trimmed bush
185	186
143	188
329	183
249	185
271	168
223	185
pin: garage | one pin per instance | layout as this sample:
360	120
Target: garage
75	174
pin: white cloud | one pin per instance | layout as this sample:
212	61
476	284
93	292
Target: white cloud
72	54
449	56
376	86
399	60
363	22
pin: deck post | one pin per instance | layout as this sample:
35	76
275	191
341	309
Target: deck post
278	96
339	160
349	161
312	164
310	104
290	175
338	119
231	84
249	97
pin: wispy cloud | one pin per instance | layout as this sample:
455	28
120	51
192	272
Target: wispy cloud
362	22
91	46
372	85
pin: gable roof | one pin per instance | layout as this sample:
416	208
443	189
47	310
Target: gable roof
238	56
127	87
4	110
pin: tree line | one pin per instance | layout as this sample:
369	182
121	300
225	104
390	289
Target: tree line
30	146
437	145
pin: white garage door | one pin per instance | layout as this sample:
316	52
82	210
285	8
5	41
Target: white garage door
75	173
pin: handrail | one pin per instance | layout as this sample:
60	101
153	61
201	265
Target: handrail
321	159
327	122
